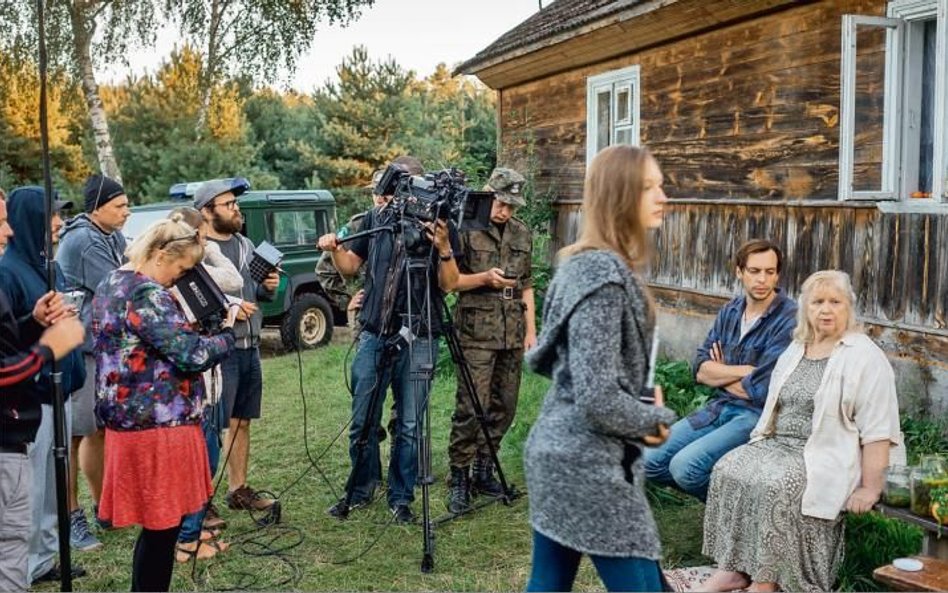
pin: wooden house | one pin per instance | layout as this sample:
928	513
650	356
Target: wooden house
821	124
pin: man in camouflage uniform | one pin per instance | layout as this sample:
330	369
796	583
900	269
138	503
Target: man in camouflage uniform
495	322
335	284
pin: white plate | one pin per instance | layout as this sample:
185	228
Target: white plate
908	564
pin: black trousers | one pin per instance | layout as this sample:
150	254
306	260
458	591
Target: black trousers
153	559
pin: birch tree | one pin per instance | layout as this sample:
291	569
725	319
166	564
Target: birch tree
79	32
259	39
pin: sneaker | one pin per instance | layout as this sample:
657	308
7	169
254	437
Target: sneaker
402	514
80	536
102	524
246	498
339	510
53	574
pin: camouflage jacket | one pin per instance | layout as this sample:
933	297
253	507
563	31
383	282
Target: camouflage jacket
340	289
487	318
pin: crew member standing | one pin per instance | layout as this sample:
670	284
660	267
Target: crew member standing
495	321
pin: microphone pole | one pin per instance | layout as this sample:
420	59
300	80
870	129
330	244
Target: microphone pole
59	406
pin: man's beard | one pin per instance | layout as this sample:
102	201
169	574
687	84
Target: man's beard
226	226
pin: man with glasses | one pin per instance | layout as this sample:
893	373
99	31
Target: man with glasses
242	376
91	247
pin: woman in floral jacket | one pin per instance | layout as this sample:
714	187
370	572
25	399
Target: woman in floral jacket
150	397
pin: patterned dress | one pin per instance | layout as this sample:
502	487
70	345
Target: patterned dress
150	398
753	520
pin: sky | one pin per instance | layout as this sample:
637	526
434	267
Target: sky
417	33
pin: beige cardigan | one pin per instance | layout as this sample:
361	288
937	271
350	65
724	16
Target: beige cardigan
855	404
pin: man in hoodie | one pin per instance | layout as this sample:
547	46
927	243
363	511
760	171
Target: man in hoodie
91	246
242	376
23	278
26	345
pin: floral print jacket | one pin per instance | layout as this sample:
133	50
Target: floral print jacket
148	357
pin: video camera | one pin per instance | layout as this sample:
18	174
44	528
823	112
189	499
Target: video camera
440	195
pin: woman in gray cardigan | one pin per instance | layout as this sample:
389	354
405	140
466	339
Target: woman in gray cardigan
584	479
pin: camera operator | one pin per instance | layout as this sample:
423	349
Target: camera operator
495	321
26	345
375	343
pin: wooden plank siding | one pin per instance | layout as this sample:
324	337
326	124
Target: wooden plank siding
744	121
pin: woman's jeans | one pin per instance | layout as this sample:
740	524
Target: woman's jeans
554	569
211	425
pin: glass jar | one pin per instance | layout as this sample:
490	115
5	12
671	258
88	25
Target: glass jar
931	473
898	491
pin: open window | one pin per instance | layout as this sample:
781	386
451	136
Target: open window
894	105
612	110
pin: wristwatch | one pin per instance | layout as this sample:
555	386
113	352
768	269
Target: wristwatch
447	257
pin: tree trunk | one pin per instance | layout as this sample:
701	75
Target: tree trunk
209	71
82	39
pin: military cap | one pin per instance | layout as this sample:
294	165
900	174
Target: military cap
507	186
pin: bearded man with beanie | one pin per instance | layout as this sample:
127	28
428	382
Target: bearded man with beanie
91	246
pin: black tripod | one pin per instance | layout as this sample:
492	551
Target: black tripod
417	268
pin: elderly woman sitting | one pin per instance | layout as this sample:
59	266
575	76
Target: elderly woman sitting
821	447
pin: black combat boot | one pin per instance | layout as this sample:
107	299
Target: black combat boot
459	496
484	482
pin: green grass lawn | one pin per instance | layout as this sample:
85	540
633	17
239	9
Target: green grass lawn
485	551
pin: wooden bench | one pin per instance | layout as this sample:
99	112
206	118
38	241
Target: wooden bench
932	577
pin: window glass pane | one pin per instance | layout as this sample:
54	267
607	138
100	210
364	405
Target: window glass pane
308	231
926	149
623	105
282	228
870	109
624	135
603	119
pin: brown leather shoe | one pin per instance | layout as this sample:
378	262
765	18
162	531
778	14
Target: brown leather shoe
246	498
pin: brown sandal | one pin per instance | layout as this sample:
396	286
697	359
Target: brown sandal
204	550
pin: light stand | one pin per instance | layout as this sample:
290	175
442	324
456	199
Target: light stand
59	406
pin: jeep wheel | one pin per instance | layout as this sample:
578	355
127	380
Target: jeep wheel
308	323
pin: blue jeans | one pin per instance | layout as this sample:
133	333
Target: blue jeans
410	388
554	569
686	459
212	425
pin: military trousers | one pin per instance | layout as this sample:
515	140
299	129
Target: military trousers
496	375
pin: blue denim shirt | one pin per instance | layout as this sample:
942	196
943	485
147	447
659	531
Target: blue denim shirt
760	348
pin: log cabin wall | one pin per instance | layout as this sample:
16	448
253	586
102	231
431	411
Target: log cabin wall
744	121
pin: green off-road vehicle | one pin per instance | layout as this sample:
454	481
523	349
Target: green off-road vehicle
291	221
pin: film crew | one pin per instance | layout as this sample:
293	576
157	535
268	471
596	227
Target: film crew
348	293
736	358
150	397
242	375
26	346
774	520
374	346
496	323
90	247
199	536
585	482
23	276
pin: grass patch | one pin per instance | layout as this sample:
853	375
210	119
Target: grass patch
488	551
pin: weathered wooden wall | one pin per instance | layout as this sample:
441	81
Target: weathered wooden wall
750	110
745	123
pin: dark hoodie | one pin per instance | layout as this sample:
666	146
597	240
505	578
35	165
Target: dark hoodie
23	278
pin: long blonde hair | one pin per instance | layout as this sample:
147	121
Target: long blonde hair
612	196
838	281
176	238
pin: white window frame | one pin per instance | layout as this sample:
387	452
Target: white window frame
613	81
900	129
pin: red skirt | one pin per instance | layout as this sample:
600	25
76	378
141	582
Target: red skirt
154	477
